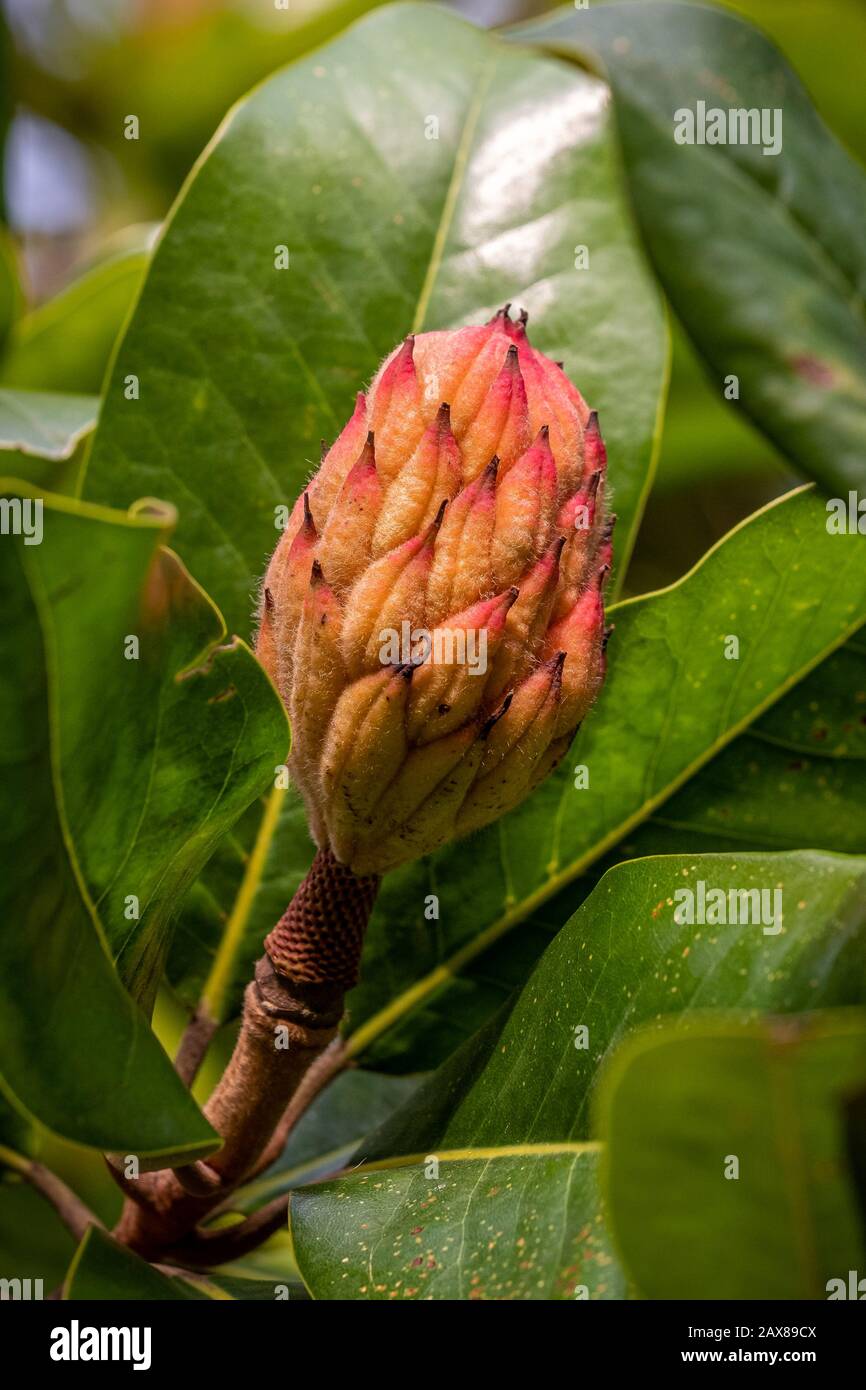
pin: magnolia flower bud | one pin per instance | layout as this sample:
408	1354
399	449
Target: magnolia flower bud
433	615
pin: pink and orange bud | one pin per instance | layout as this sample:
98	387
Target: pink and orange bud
433	616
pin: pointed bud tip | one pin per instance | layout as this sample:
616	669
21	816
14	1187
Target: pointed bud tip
497	715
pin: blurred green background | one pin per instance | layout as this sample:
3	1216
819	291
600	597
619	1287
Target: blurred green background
81	204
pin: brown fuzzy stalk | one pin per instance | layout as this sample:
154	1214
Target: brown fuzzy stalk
292	1009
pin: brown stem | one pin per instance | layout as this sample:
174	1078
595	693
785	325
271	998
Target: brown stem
216	1247
319	1075
291	1012
318	939
194	1044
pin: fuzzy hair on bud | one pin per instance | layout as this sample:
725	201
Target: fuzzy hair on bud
433	614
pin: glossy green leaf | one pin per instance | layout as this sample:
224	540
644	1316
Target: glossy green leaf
826	713
77	1054
45	424
726	1151
45	437
761	254
795	778
101	1269
624	959
763	797
64	344
242	367
157	755
497	1224
790	592
705	439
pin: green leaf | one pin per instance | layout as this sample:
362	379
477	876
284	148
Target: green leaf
64	345
157	755
34	1244
497	1224
623	959
45	424
761	255
826	713
121	777
787	589
242	367
795	778
762	797
45	437
802	31
252	1288
101	1269
678	1106
706	441
854	1113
